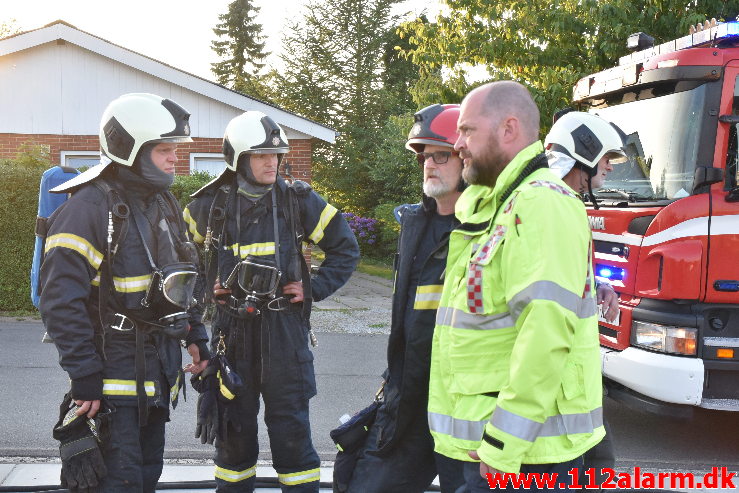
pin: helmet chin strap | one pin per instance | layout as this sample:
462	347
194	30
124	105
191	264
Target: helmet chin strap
144	167
590	193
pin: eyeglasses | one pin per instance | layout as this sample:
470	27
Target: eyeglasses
439	157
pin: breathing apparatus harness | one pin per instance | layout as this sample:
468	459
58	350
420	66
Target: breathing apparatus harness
170	291
254	281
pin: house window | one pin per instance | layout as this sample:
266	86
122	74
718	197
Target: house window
211	163
79	159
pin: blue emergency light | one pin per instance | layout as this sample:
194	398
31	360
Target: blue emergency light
609	272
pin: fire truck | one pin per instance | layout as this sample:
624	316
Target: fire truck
666	233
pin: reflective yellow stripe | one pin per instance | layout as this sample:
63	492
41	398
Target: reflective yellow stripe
300	477
78	244
192	226
428	297
175	390
327	214
131	284
224	390
235	476
242	251
137	284
126	387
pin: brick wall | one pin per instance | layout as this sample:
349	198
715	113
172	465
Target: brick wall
299	156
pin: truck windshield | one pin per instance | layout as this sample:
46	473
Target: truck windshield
662	137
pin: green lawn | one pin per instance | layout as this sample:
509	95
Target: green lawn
366	265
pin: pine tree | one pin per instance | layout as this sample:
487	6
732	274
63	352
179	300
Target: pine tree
242	50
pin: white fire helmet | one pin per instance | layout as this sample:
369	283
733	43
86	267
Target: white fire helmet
253	132
583	138
135	119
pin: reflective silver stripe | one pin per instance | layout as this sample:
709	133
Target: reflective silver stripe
551	291
444	315
560	424
513	424
458	428
464	320
460	319
235	476
300	477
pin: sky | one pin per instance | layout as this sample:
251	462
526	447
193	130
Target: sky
177	33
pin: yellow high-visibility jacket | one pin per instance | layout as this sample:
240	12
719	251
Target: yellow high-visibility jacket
515	368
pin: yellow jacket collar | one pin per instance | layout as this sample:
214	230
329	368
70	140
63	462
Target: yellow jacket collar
477	202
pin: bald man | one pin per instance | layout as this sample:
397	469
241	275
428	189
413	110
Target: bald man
515	380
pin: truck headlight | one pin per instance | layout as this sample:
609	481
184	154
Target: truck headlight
664	338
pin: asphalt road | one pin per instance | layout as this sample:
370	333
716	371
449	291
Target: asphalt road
348	368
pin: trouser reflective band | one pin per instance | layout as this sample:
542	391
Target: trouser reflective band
560	424
428	297
300	477
457	428
235	476
126	387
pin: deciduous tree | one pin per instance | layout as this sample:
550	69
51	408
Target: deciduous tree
547	45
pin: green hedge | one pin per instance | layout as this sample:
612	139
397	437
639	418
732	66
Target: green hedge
184	185
19	182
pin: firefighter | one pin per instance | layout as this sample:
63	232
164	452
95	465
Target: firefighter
116	325
398	455
583	173
515	381
252	223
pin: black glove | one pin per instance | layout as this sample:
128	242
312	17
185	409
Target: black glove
218	385
80	441
206	384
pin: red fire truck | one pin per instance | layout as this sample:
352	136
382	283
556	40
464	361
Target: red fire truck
666	234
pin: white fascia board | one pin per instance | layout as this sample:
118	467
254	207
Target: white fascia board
164	72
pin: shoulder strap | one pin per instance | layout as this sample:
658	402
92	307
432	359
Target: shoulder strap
118	214
214	233
296	227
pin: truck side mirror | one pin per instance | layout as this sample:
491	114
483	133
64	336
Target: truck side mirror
705	176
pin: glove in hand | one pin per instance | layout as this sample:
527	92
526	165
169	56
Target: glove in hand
80	440
218	385
206	384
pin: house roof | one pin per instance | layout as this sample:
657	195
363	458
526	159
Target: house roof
62	30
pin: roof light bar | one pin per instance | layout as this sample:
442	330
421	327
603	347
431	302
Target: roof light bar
699	38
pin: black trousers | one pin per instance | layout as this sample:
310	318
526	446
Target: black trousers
409	467
134	456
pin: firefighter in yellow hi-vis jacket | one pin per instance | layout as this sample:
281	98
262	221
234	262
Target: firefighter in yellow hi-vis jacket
253	224
515	373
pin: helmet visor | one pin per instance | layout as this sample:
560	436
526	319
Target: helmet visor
617	156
